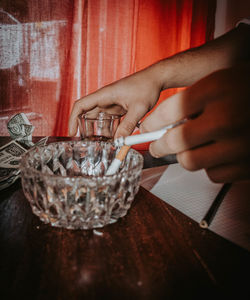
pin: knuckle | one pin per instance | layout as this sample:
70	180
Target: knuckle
77	105
142	106
172	140
187	160
126	129
108	94
178	139
129	126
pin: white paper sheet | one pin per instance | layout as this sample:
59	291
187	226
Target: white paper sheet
192	193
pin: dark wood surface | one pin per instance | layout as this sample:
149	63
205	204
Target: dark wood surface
154	252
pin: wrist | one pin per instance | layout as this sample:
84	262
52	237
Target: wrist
162	74
158	75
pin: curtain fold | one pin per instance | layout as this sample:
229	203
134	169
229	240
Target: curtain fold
55	52
72	74
174	26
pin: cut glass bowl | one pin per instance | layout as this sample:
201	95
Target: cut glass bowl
66	185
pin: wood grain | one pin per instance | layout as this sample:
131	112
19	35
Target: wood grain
155	252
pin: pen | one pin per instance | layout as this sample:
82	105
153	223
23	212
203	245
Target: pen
206	221
126	142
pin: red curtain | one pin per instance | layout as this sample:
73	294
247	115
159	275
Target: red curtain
53	52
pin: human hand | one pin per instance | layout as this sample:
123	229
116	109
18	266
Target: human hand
218	138
133	96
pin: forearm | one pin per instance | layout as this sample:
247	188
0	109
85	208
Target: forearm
185	68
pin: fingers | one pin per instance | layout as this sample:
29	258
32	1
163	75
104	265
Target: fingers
134	114
212	125
185	104
183	137
230	172
207	156
188	103
217	138
100	98
167	112
217	122
78	108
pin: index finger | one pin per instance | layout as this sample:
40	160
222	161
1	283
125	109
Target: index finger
76	110
91	101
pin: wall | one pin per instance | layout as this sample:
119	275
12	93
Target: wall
228	13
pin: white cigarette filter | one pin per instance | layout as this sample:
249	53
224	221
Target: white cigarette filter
126	142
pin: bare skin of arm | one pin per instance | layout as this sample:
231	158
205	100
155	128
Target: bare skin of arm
218	138
136	94
217	74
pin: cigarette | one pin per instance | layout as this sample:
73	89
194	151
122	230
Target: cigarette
145	137
126	142
115	165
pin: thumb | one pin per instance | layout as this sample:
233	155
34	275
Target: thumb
132	117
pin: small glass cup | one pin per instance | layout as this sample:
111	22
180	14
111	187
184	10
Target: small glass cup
98	126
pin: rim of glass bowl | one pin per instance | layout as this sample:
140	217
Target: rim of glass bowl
94	116
23	164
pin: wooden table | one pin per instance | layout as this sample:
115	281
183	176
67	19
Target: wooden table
155	252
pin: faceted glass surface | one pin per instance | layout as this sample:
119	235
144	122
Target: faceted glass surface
66	185
98	126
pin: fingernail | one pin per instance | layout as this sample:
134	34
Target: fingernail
152	152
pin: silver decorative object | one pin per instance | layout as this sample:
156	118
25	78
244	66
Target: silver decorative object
20	130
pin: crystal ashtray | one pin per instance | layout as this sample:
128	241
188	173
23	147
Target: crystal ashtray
66	185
